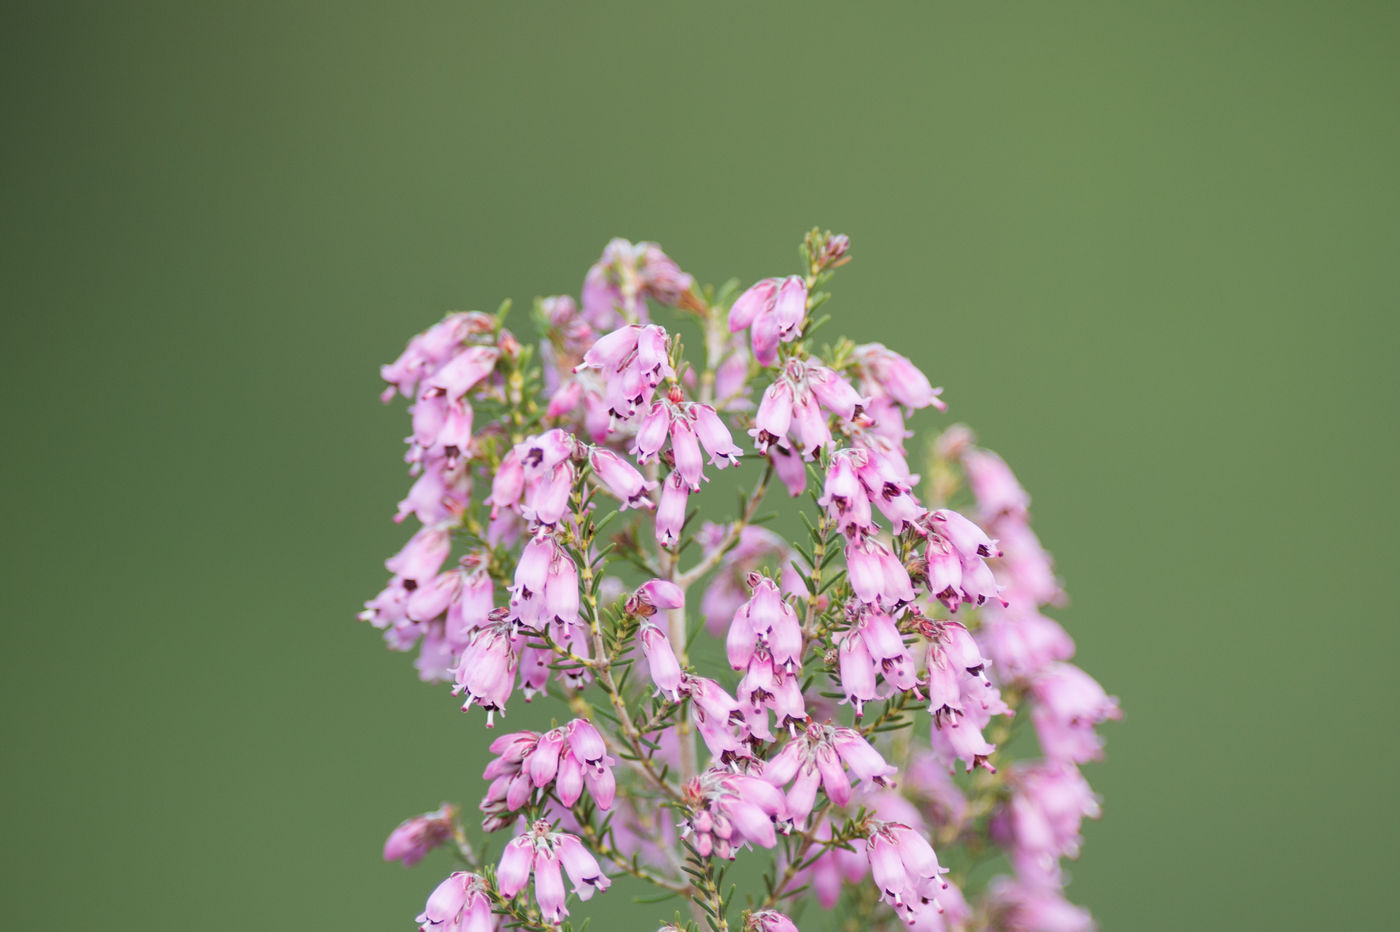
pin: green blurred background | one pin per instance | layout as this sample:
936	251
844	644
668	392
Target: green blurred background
1149	249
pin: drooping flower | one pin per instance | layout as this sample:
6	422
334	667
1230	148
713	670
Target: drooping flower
818	757
905	869
411	841
543	851
772	311
731	810
460	903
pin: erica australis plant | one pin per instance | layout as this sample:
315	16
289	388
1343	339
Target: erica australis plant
831	712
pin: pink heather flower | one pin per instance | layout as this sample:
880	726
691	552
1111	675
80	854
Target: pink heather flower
670	513
773	311
790	468
950	915
758	299
905	869
486	670
415	837
768	620
774	415
652	431
460	903
542	852
419	560
632	361
620	478
876	575
994	485
766	687
1024	567
429	350
1022	642
956	554
844	496
732	377
885	372
1018	906
889	489
1069	704
656	594
873	647
661	660
1040	824
769	920
714	436
685	447
713	711
619	283
546	589
442	491
819	757
569	758
731	810
432	599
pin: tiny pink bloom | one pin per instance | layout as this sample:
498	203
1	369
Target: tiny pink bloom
419	560
670	513
791	470
774	415
686	449
658	594
415	837
620	478
746	308
888	373
715	437
651	433
581	866
516	862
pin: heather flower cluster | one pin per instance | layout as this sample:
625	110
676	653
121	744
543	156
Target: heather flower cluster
839	707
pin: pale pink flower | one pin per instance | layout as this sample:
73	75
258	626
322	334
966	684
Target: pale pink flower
1018	906
769	920
766	619
411	841
460	903
670	513
661	660
543	852
885	372
729	811
622	480
619	283
818	757
1069	703
905	869
486	670
773	311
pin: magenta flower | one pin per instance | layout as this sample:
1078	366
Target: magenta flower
1069	704
729	811
486	670
905	869
543	852
818	758
459	904
415	837
773	311
769	920
885	372
765	619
